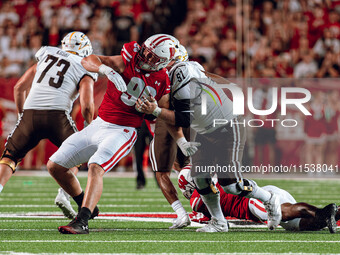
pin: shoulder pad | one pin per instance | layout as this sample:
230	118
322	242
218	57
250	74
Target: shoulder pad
40	53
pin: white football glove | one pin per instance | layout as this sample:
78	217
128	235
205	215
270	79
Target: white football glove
113	76
188	148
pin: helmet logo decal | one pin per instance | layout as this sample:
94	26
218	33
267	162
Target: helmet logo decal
71	36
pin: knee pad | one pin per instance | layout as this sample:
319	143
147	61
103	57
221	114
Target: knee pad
205	186
12	164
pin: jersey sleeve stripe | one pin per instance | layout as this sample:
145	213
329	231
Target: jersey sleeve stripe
194	203
127	53
197	204
127	59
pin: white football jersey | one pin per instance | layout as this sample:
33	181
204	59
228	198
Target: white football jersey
188	81
55	84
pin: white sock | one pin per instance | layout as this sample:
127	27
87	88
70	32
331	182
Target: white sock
257	193
212	201
1	188
178	208
260	194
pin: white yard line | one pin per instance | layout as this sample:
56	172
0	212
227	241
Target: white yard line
167	241
24	253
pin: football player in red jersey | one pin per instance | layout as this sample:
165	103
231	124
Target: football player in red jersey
295	216
139	72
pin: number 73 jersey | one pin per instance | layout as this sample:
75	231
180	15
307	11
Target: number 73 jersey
119	108
56	81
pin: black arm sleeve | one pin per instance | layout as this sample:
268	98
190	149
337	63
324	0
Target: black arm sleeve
182	112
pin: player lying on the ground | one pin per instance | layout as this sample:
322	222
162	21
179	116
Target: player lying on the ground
295	216
53	83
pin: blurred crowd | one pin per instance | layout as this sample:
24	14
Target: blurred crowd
26	25
270	38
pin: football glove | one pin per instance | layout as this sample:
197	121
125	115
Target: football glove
114	77
188	148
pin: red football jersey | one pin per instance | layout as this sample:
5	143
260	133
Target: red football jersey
119	107
231	205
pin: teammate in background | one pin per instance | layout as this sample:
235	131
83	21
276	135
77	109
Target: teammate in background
54	83
113	133
139	149
220	144
295	216
164	153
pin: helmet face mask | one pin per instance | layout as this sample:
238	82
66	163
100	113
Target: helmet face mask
149	61
78	43
156	52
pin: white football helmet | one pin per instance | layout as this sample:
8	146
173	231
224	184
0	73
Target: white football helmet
77	42
186	183
157	52
182	54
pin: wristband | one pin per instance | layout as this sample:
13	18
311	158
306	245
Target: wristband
181	141
157	111
104	69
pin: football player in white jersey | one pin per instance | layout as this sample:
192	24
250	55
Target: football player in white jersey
220	145
164	154
53	83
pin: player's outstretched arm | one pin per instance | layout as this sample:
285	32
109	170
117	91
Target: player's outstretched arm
86	98
110	66
93	62
22	86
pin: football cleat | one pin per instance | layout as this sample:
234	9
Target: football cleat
63	202
76	226
95	213
181	222
273	208
328	213
214	226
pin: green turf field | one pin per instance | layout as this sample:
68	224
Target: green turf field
39	234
